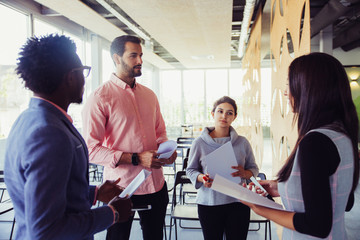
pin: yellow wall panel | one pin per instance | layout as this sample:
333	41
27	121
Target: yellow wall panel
289	38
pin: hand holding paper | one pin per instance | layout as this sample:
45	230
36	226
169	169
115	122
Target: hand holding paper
232	189
258	185
135	184
166	149
221	161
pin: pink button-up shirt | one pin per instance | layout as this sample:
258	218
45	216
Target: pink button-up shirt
117	119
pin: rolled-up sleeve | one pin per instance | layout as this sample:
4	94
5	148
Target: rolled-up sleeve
95	118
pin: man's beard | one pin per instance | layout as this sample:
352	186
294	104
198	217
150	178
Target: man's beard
131	70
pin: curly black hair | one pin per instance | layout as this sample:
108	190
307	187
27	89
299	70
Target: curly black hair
44	61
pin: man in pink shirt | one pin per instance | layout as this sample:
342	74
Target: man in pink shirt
123	128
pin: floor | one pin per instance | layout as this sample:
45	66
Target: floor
195	234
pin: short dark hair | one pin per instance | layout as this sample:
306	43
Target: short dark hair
118	44
44	61
225	99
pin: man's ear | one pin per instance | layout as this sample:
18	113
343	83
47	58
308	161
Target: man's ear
116	58
69	79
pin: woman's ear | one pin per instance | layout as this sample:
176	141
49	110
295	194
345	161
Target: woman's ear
212	114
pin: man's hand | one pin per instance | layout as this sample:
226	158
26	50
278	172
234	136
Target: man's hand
148	159
169	160
123	207
108	190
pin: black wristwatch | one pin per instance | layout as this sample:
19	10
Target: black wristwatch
134	159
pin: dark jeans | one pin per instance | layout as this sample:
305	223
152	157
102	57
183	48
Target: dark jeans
151	221
231	219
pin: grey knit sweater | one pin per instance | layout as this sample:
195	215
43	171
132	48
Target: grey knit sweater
204	145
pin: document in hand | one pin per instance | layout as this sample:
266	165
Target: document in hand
234	190
220	162
166	149
135	183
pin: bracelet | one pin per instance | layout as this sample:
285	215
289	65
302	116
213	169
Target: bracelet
116	216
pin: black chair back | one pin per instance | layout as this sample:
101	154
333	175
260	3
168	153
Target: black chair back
180	179
2	176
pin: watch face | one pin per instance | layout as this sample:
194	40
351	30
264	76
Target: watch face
134	159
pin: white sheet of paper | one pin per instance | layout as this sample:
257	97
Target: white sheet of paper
220	162
135	183
166	149
234	190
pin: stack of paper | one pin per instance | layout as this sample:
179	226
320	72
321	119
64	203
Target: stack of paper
220	162
234	190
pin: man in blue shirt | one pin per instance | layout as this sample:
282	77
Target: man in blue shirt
46	159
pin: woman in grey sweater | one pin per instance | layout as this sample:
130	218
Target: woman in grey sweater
219	213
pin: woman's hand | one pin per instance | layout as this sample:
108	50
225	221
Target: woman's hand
241	172
270	186
205	179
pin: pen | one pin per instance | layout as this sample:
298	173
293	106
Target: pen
258	184
206	178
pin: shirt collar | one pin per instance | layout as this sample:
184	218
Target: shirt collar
120	82
62	110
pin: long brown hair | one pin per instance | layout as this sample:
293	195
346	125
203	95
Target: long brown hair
321	96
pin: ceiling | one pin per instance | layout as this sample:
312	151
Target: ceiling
198	33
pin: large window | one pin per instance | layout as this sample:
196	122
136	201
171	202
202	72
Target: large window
187	96
13	96
170	95
108	66
194	101
216	87
42	28
236	91
146	77
74	110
